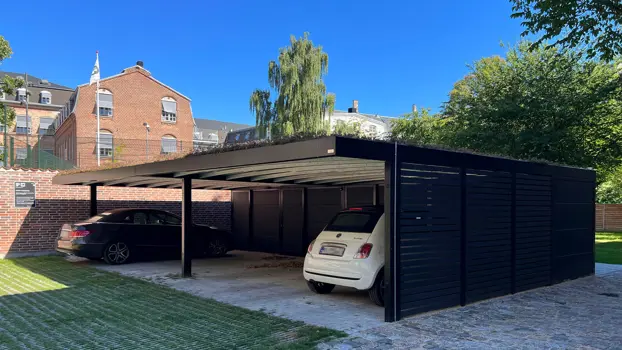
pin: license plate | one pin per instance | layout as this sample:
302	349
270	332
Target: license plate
332	250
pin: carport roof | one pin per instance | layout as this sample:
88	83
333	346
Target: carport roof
315	162
326	161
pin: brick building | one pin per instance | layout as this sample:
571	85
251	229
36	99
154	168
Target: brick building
128	101
44	101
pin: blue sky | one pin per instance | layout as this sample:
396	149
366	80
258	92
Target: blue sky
388	55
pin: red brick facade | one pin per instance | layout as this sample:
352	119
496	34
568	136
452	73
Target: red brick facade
609	217
34	230
137	99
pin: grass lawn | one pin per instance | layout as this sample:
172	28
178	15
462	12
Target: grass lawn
48	303
609	247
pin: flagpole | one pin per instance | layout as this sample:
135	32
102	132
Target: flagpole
97	109
27	127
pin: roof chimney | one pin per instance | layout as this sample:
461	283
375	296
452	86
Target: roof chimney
355	107
414	108
140	64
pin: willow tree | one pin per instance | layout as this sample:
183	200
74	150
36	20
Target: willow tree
301	101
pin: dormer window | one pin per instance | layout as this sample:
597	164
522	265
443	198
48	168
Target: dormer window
105	103
46	97
22	95
169	110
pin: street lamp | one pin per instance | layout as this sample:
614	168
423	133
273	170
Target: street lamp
146	125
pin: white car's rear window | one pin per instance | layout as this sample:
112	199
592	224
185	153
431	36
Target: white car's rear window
353	221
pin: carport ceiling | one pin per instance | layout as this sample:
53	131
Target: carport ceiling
312	163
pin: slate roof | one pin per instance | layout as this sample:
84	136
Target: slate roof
211	124
35	82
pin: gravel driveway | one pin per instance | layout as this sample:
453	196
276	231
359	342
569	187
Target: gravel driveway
585	313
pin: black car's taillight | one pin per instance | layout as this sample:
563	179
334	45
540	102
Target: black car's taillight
78	232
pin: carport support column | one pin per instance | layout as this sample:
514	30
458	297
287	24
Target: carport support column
186	227
391	251
93	208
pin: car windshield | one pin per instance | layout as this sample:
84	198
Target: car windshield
350	221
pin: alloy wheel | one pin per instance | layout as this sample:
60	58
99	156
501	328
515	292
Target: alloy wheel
118	253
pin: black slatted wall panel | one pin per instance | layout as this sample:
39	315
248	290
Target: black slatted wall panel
573	228
266	221
428	232
322	205
293	222
239	218
488	234
533	231
359	196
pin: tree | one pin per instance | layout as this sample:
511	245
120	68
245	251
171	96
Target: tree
610	190
8	85
352	128
422	128
301	101
595	25
546	104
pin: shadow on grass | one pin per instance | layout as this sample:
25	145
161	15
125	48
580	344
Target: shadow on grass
50	303
609	252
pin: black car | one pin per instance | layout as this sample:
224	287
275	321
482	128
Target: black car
121	235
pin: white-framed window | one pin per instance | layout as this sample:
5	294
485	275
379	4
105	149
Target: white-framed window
23	125
373	129
105	144
44	125
45	97
105	103
21	153
169	110
169	144
22	95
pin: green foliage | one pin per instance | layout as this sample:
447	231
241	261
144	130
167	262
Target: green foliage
610	190
5	49
351	128
421	127
301	100
546	104
593	25
8	84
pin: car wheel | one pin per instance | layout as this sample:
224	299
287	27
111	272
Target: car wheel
216	247
116	253
376	292
320	287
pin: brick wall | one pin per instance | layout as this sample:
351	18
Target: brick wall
609	217
137	98
26	231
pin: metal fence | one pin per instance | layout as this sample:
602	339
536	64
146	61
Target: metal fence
126	151
48	152
34	151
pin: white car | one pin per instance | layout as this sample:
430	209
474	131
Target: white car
349	252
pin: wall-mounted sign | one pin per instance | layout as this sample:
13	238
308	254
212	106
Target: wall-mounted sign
24	194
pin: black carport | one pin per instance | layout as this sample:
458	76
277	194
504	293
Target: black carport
462	228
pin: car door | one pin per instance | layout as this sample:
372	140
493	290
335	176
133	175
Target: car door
140	233
166	234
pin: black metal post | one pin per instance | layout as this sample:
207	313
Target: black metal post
463	237
513	236
281	233
305	221
391	258
93	208
251	239
186	227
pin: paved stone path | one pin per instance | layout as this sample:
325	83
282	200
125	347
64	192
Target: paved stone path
581	314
